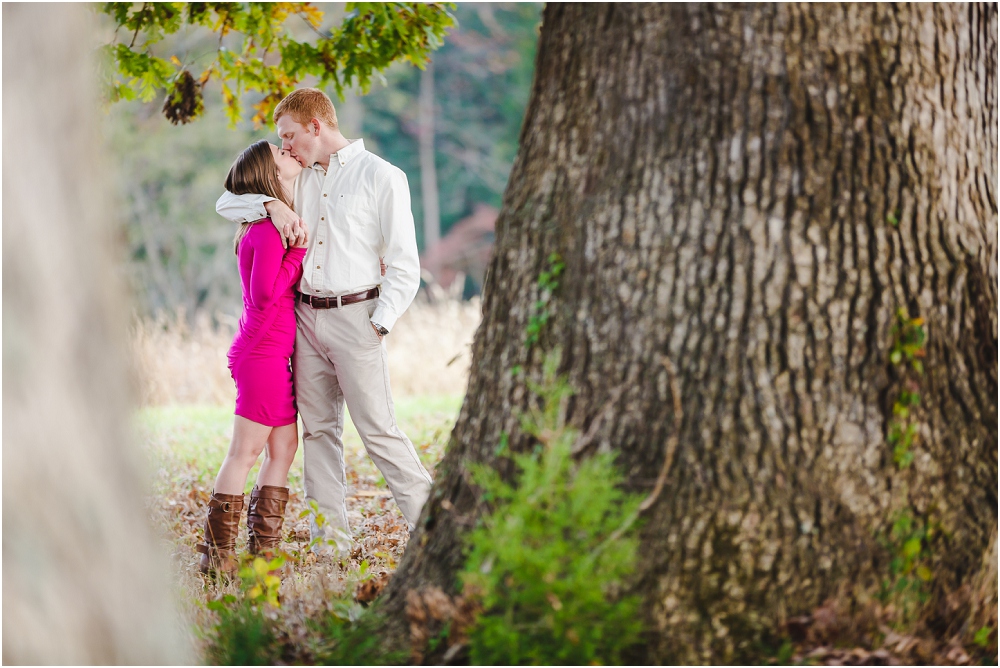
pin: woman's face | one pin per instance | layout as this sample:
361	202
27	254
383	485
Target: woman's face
288	169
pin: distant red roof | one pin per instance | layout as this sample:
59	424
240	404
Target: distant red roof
465	249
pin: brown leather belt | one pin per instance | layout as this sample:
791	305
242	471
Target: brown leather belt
334	302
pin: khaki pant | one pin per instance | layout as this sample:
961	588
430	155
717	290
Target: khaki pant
339	357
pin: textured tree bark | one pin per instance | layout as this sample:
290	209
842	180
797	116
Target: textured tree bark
719	181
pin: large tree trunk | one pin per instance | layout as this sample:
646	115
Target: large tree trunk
720	181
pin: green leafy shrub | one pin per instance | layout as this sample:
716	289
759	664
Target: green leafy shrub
548	562
244	636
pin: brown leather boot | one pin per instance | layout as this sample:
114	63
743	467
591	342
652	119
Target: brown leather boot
264	519
221	526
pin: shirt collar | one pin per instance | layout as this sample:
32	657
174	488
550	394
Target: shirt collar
356	147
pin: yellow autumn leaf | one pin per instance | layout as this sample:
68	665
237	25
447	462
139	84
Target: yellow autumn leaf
312	14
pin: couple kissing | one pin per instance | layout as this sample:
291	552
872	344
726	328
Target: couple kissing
328	262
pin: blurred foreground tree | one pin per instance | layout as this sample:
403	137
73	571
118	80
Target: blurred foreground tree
794	207
268	58
86	580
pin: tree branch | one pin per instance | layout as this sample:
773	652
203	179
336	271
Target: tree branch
137	26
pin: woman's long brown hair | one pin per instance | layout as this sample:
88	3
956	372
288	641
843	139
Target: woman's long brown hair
254	173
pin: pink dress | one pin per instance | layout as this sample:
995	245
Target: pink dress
259	356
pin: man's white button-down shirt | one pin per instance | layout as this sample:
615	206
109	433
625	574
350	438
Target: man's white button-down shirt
357	211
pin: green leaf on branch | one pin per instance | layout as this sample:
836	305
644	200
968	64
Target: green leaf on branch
371	37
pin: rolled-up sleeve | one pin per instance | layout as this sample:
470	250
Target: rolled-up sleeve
242	208
399	250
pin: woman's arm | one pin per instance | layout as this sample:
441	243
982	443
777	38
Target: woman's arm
274	269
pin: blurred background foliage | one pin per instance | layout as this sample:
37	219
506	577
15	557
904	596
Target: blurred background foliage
169	176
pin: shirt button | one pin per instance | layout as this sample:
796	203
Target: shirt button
324	194
322	218
317	266
321	243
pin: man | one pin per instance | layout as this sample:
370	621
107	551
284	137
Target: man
357	210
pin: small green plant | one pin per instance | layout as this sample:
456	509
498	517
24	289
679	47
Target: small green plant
785	652
906	353
982	637
321	523
909	539
259	582
548	562
909	338
244	635
441	637
548	281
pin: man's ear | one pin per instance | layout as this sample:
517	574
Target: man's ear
314	126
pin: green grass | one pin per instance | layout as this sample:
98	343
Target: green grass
194	439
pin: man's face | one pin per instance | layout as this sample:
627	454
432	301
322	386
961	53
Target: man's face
301	141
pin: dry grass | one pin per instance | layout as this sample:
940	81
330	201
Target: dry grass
177	362
182	360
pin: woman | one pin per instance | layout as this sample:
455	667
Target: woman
259	363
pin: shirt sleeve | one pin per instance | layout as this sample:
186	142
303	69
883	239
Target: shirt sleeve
242	208
274	269
399	248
